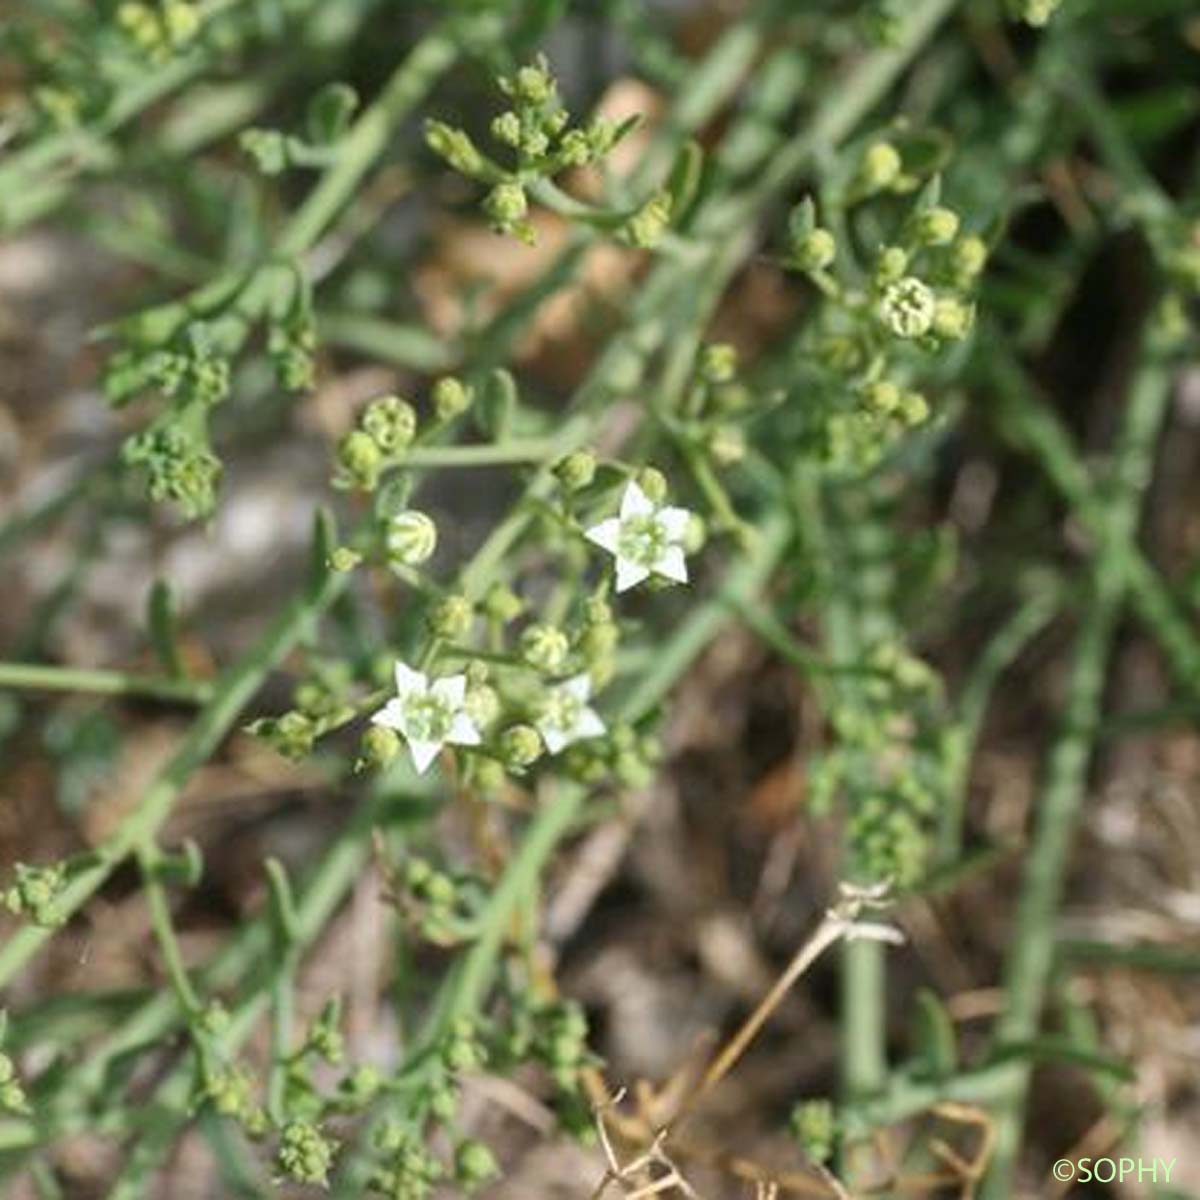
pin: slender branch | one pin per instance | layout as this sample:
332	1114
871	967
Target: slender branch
40	677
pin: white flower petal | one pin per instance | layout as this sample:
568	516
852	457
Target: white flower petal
410	682
671	564
554	737
588	725
630	574
463	731
635	502
674	522
452	689
391	715
605	535
580	687
423	753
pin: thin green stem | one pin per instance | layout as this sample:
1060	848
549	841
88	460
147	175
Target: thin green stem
1031	959
38	677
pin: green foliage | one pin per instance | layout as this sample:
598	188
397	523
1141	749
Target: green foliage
523	572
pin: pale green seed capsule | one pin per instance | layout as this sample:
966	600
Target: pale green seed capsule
576	470
451	618
451	398
411	538
520	747
654	483
907	307
545	647
937	226
952	319
880	167
816	250
890	265
968	257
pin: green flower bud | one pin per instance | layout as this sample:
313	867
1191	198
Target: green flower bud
360	1087
727	445
360	460
718	362
520	747
482	705
814	1126
213	1019
952	319
462	1049
411	538
532	85
35	891
695	535
534	143
545	647
907	307
575	150
505	206
181	21
379	747
454	147
598	641
474	1164
488	775
344	559
305	1154
502	604
506	128
12	1094
576	470
890	264
815	251
914	409
882	397
390	422
967	258
654	483
646	227
451	398
936	226
879	167
451	618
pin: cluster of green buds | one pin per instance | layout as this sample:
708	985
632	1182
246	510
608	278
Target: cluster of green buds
229	1088
305	1153
537	132
175	450
917	300
35	891
160	31
409	1170
432	901
552	1033
386	428
892	759
814	1125
12	1095
320	704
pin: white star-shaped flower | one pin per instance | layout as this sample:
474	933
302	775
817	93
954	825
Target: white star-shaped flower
644	539
428	715
566	716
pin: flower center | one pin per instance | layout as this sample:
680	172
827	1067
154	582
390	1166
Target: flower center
642	540
562	711
427	718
